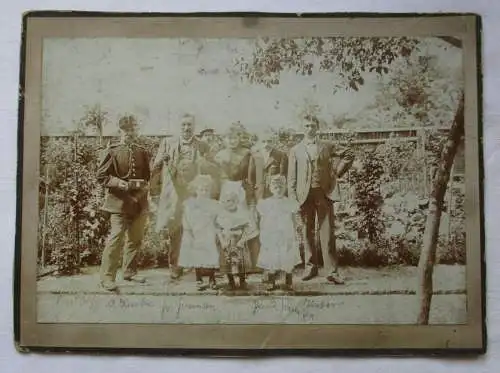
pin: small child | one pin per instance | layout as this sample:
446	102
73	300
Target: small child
235	228
279	252
198	247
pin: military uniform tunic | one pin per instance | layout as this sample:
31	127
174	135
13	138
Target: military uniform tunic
128	209
124	162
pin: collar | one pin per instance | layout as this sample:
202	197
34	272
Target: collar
187	142
127	143
311	141
266	151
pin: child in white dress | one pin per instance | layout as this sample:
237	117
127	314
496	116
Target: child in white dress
198	246
235	228
279	252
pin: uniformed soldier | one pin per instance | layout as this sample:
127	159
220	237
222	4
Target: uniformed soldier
124	171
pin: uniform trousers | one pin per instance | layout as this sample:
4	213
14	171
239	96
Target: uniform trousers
126	234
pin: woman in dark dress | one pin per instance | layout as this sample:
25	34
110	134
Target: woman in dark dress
233	162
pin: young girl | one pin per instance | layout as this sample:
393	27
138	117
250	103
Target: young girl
235	229
198	247
279	244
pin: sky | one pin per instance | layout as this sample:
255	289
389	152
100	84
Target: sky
159	80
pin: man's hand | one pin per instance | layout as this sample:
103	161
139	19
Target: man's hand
123	185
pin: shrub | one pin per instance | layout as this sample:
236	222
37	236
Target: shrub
75	227
368	199
382	225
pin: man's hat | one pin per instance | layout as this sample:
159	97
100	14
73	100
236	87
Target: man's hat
206	130
127	122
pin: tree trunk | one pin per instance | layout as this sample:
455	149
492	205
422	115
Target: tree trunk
429	245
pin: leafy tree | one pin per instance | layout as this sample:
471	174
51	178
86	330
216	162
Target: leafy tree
350	58
440	183
94	119
417	92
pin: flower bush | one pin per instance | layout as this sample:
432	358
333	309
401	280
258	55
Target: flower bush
395	217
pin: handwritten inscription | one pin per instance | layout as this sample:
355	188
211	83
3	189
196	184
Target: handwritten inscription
179	307
127	303
196	309
303	310
175	310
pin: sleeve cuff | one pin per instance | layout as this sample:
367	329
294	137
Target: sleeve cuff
113	182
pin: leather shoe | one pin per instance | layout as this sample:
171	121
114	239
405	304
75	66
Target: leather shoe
335	278
139	279
176	273
300	266
109	285
312	273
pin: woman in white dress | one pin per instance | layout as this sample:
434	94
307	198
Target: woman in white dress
279	252
198	247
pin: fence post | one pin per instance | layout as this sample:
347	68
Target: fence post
450	201
76	217
45	212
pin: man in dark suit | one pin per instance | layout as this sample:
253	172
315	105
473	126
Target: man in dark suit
312	181
125	173
266	161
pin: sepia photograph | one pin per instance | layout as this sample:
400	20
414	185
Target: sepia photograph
254	173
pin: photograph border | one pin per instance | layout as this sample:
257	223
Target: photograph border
243	339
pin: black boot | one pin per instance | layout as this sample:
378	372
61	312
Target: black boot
288	281
310	273
272	282
230	279
243	282
198	274
211	281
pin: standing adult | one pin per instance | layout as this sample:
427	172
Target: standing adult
266	161
179	160
125	173
314	166
207	135
234	161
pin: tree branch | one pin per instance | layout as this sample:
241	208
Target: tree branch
452	40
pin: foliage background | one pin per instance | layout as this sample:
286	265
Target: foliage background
381	215
380	219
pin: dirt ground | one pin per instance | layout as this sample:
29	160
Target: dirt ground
390	280
369	296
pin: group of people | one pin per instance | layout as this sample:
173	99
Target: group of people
234	211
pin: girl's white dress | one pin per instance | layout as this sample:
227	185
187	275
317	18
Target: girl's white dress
198	246
278	238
